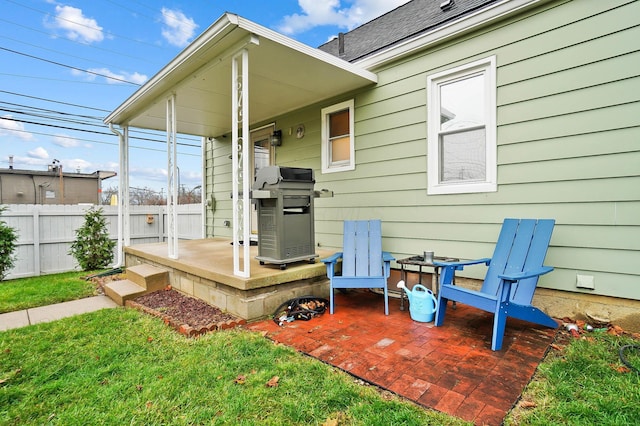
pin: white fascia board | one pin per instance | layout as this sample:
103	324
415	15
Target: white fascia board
159	82
307	50
452	29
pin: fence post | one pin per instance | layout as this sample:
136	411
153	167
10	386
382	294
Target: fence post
36	241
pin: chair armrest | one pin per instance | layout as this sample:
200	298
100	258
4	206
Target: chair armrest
333	258
526	274
387	257
462	264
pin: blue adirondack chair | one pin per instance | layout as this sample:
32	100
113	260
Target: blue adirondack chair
510	280
364	264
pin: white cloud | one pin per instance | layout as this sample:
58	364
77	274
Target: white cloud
75	164
177	29
331	12
39	153
111	76
10	127
76	25
65	141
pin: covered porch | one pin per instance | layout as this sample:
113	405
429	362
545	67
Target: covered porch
235	77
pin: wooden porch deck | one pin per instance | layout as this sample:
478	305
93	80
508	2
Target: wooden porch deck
204	269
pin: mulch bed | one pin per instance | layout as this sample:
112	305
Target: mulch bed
187	315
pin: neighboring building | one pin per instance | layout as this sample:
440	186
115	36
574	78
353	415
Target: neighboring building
51	186
444	118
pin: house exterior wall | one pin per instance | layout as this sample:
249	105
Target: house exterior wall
568	126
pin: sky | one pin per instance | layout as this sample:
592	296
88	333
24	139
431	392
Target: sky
64	66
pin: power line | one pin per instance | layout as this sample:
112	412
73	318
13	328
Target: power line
51	100
27	108
82	44
81	25
103	142
93	131
69	66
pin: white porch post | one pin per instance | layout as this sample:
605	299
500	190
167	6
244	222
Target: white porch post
124	229
123	189
240	159
172	179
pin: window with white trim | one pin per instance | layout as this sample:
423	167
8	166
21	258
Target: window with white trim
461	145
338	152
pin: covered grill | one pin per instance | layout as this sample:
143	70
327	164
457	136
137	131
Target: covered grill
284	198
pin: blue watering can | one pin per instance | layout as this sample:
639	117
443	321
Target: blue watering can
422	302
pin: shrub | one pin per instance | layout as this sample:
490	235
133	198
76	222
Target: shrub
8	238
92	248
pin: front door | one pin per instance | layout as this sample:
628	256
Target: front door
263	155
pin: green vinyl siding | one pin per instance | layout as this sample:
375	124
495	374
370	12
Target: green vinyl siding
568	135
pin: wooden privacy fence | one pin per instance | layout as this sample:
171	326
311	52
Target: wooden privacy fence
46	232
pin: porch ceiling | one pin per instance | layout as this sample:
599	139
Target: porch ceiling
283	75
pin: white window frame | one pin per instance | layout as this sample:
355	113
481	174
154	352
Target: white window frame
327	166
487	67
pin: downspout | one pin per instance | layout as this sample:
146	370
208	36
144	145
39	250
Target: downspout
119	261
203	190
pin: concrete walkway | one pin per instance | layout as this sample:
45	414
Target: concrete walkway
49	313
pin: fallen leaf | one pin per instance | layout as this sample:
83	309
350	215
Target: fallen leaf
138	387
273	382
621	368
149	339
6	351
149	404
615	330
528	404
253	371
167	288
240	379
556	347
160	377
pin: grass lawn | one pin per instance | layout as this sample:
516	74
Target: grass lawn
24	293
118	366
584	384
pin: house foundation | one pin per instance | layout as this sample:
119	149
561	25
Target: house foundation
205	271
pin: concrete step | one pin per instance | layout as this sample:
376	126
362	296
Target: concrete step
150	277
123	290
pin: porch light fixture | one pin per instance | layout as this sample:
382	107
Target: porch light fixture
276	138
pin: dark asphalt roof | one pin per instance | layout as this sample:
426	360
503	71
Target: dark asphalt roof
402	23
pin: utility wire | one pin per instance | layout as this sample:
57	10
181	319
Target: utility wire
105	143
82	25
69	66
83	44
94	131
51	100
26	109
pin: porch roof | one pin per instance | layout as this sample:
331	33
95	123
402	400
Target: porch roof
283	75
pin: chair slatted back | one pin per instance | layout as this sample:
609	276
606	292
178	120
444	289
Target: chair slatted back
362	249
522	245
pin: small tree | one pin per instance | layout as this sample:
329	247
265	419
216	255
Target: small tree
92	248
8	238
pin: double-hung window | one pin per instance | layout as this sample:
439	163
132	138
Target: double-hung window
338	150
461	146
